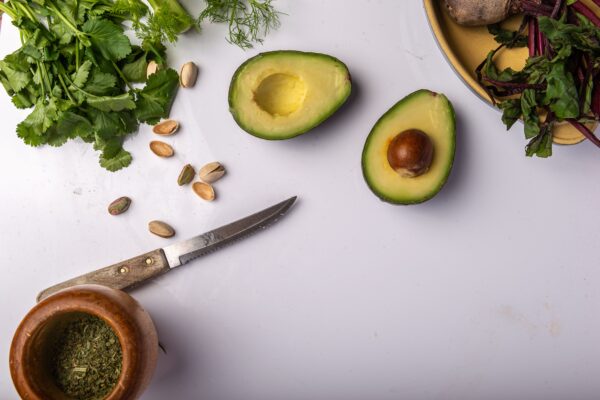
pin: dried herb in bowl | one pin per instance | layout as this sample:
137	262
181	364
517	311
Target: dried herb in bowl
86	359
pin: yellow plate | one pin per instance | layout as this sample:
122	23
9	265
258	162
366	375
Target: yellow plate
465	48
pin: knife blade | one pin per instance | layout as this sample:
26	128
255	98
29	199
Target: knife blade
130	273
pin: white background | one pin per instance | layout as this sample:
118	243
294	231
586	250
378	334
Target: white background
489	291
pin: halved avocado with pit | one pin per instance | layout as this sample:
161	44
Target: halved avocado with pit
282	94
409	153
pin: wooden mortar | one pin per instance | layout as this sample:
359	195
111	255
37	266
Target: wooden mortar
29	352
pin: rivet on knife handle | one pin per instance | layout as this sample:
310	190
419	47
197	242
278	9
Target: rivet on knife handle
122	275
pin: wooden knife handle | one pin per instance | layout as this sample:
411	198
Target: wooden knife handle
123	275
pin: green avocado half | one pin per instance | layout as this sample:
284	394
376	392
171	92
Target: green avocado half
428	112
282	94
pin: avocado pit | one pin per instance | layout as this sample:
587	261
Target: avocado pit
410	153
280	94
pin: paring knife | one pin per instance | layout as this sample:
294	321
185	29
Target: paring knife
134	271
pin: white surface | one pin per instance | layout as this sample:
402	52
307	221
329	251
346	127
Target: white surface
489	291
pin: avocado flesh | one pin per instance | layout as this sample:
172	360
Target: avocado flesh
424	110
282	94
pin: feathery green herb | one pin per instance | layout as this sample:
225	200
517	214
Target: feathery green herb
249	20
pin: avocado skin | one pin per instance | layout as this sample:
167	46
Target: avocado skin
309	127
446	175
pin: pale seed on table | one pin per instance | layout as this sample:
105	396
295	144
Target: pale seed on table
161	229
204	190
167	127
212	172
188	75
161	149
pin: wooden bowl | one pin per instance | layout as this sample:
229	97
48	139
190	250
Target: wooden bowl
131	323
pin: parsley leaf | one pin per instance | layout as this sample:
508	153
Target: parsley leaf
38	122
15	80
74	125
135	70
108	38
101	83
155	99
80	76
120	160
112	103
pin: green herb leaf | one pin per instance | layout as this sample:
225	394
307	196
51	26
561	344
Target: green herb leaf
108	38
74	125
249	20
109	124
540	145
155	100
530	116
118	161
101	83
80	77
135	71
37	122
561	93
15	80
112	103
506	37
511	112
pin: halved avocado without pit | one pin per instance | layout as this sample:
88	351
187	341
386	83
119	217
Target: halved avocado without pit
282	94
409	153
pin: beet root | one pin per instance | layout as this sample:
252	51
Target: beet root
482	12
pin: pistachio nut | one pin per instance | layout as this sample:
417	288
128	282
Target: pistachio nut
119	206
161	149
161	229
188	75
167	127
186	175
212	172
152	68
204	190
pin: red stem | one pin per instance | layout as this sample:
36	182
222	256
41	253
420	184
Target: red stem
596	98
534	8
557	7
532	36
586	132
540	42
586	12
515	85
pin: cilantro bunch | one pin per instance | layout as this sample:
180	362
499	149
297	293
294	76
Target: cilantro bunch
76	69
561	79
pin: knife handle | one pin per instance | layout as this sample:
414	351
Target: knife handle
123	275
